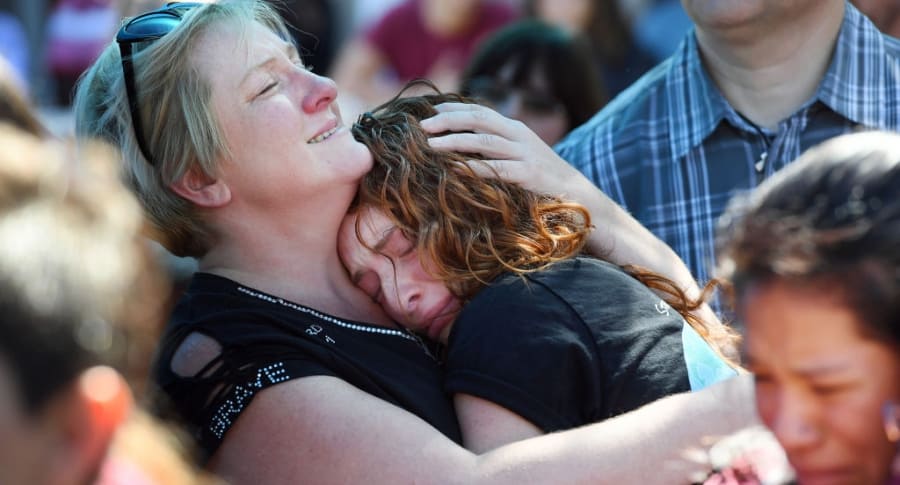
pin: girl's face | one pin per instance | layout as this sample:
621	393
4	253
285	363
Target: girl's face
287	140
821	384
393	275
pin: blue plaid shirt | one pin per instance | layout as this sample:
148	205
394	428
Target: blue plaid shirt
672	151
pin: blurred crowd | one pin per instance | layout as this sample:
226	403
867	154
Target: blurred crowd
371	48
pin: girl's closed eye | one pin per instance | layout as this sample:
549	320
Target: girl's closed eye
371	286
398	245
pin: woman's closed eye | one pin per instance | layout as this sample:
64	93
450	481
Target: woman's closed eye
267	88
273	83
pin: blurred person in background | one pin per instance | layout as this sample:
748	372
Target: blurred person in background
892	428
15	108
366	12
539	74
130	7
752	86
14	49
82	303
313	24
617	56
80	300
431	39
76	33
813	256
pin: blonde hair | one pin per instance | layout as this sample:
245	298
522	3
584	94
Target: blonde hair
180	127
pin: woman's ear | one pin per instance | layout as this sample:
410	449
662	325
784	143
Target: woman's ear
202	190
85	419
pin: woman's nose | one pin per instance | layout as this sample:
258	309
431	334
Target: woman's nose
320	93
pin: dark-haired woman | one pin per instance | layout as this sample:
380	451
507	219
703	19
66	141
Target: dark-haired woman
620	60
539	74
814	254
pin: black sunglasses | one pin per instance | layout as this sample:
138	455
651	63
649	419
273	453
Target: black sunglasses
146	27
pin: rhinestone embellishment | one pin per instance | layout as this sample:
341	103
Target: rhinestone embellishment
327	318
241	395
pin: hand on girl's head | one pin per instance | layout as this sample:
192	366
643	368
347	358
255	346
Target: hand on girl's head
511	151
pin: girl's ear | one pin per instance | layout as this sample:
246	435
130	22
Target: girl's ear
202	189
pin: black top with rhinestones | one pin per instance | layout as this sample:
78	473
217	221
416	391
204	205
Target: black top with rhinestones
267	340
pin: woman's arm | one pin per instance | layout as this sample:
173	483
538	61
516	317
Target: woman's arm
324	430
486	425
520	156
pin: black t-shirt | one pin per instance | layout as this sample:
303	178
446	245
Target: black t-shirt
266	340
579	342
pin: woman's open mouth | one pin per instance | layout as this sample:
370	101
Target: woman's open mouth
323	136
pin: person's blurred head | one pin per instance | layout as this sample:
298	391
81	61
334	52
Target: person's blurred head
14	105
814	255
79	296
538	74
225	105
430	228
599	21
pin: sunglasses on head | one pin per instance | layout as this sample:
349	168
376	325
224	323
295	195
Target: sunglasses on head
146	27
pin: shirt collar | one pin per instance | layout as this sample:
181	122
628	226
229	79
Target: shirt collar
861	79
694	103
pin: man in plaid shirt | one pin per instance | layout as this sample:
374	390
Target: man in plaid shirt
756	83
